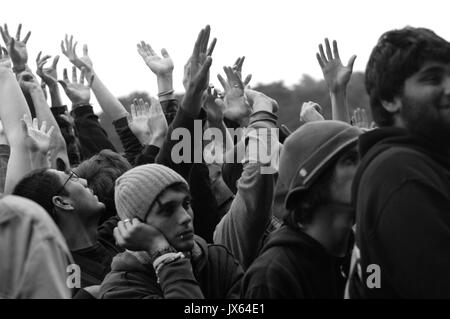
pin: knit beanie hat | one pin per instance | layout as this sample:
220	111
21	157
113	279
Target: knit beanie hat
137	189
307	152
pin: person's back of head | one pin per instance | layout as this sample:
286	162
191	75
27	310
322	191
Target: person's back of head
398	55
36	255
40	186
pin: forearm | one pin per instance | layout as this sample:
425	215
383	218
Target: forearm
178	282
243	226
12	108
108	102
43	113
339	107
130	142
165	85
91	135
55	95
38	160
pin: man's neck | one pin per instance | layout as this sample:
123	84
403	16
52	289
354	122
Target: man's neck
78	235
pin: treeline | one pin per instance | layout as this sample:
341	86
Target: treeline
289	99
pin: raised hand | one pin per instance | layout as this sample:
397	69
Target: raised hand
48	75
37	139
68	48
359	118
138	236
237	107
310	111
238	68
214	106
159	66
158	124
77	91
336	75
138	120
5	61
196	70
17	49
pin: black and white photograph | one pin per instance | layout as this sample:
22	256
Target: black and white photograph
240	152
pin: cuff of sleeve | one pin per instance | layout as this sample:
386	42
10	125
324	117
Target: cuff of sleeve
58	110
169	106
122	122
82	110
263	116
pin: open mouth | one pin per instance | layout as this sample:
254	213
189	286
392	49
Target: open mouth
186	235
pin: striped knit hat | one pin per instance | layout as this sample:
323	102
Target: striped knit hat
137	189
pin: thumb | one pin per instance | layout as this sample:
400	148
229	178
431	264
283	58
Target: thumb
165	53
24	126
351	62
221	104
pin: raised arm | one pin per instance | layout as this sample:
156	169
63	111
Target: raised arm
108	102
17	48
30	85
12	107
243	227
162	67
49	76
337	77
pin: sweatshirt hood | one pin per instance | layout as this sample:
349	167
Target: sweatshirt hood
374	142
286	236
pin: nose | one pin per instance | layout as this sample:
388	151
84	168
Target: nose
185	215
446	84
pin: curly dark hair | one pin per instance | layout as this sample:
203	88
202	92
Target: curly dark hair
398	55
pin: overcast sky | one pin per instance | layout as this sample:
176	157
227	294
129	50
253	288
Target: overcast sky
279	38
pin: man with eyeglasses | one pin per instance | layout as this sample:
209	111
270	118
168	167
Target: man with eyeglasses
76	211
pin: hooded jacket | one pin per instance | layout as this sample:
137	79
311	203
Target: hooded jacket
402	196
294	265
34	257
211	273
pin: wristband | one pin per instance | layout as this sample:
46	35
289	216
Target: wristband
165	260
164	93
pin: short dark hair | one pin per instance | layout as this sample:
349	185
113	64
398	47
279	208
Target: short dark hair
40	186
304	204
398	55
101	172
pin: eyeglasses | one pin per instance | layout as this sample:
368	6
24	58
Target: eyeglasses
72	177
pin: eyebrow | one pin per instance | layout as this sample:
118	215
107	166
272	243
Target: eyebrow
173	202
432	69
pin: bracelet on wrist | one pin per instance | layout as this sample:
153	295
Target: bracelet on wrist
155	254
166	259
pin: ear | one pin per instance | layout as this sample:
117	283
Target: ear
393	106
63	203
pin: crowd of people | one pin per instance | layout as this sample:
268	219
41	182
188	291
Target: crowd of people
338	208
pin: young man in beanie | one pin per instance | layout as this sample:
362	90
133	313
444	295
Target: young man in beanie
402	188
165	259
305	257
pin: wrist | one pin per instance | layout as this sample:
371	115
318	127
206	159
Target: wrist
78	103
338	89
158	250
19	68
156	141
